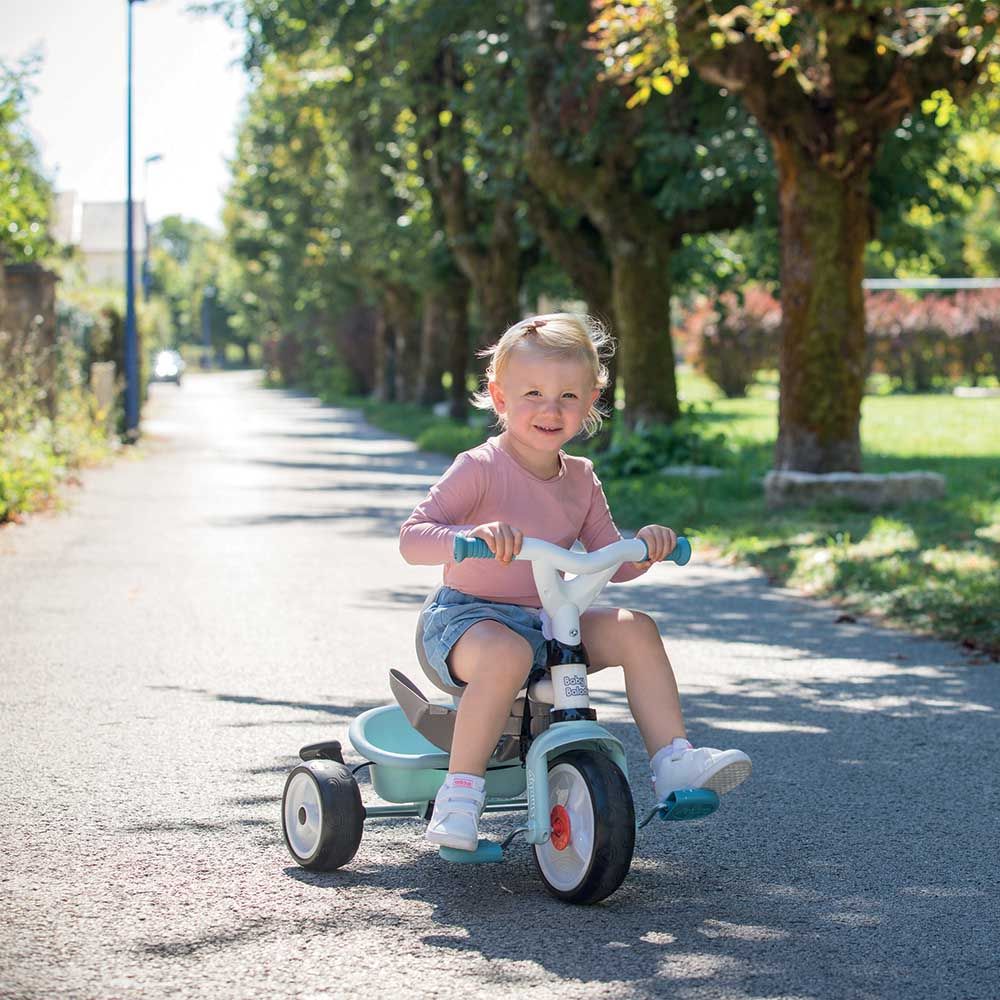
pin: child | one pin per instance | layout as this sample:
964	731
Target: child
483	630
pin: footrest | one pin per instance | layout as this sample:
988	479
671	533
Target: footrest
685	803
486	853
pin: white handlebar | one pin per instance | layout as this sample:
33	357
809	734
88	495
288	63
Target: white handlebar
583	563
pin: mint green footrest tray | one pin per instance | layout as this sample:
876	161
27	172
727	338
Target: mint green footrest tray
685	803
487	852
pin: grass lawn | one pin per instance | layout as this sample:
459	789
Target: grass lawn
931	567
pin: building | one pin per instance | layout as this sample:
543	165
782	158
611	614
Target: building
97	229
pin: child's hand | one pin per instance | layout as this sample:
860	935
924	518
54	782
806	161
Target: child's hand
659	540
503	540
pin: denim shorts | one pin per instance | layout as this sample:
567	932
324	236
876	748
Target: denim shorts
447	617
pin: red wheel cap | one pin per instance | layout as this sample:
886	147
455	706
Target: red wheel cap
562	834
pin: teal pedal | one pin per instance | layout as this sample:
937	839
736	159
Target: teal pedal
685	803
486	853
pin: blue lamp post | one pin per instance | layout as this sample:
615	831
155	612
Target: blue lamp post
131	340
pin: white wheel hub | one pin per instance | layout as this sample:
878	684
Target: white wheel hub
303	815
565	857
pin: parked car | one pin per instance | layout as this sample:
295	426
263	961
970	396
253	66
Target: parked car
168	366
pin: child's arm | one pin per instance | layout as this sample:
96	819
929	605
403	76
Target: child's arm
427	537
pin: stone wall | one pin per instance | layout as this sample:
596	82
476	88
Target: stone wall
28	324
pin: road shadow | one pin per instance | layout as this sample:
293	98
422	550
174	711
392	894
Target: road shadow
343	710
835	855
858	860
868	826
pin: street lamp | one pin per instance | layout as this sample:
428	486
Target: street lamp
131	341
147	275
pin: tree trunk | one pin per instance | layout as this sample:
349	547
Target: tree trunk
637	239
640	278
445	342
456	322
384	382
825	225
402	309
579	251
493	268
433	348
482	236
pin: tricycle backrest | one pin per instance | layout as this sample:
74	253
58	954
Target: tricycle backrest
432	675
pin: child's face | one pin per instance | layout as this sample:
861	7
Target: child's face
545	399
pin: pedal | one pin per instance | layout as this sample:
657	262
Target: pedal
685	803
488	852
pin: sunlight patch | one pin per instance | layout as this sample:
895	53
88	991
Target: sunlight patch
741	932
760	726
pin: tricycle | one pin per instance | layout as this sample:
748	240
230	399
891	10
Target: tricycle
554	761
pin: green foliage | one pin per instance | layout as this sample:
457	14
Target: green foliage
192	271
25	192
40	445
646	450
332	382
450	438
931	567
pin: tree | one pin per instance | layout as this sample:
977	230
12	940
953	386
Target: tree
827	83
643	179
25	191
186	258
347	87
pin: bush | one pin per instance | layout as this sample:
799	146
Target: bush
649	449
918	342
38	445
331	381
450	438
734	337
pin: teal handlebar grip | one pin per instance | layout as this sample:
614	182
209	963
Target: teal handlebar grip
471	548
681	554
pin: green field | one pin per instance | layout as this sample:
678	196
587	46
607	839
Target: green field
931	567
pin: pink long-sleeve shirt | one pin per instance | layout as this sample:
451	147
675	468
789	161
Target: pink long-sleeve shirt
488	484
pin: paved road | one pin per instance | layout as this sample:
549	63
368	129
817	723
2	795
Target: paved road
200	612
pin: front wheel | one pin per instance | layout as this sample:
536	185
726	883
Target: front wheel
321	815
590	849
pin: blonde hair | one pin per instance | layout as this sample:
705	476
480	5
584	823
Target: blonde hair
559	335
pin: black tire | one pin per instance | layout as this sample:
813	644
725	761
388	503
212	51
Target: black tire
322	817
607	858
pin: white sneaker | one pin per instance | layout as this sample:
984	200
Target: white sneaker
687	767
455	820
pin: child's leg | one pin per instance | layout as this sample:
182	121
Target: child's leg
494	662
629	639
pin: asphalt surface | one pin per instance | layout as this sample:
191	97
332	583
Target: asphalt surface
234	591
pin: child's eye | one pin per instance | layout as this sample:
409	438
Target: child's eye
572	395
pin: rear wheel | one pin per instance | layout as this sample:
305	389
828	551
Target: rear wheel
322	817
590	850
